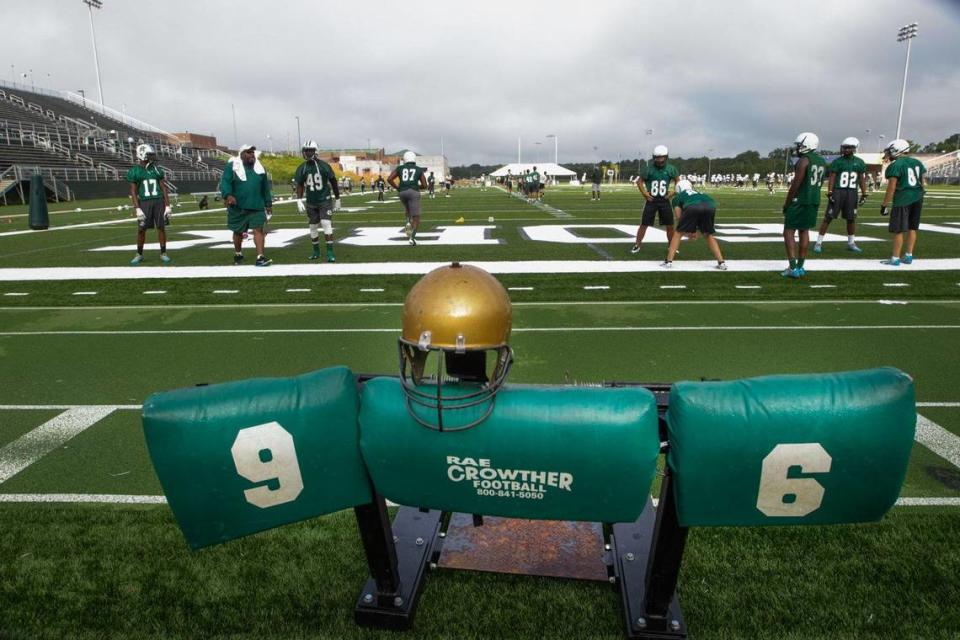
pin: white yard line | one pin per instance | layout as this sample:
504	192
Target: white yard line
109	498
30	447
147	332
43	274
940	441
546	303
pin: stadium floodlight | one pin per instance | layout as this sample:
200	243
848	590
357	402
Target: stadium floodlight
91	5
299	141
880	142
556	154
906	33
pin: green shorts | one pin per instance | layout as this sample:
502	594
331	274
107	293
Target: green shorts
800	216
241	220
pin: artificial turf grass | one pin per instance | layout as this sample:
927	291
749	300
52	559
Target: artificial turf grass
103	571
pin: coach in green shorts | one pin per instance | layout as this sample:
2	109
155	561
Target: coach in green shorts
803	200
245	188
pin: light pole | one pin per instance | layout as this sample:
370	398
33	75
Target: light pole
91	5
83	98
33	87
236	141
556	146
880	142
123	113
539	145
13	75
270	143
908	33
299	142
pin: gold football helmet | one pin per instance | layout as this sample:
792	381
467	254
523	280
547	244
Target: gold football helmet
457	313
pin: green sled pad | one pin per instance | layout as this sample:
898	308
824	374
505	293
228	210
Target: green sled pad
242	457
795	449
554	453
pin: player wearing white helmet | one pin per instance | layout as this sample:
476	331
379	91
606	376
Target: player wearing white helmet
148	193
656	184
408	179
845	175
695	214
905	182
317	179
802	202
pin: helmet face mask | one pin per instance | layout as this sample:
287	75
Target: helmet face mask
146	153
896	148
660	154
309	150
805	143
452	318
849	146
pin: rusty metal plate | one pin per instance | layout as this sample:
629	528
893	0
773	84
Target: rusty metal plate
551	548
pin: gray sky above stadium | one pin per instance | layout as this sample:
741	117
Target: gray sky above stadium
702	74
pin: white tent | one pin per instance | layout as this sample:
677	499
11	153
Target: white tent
544	168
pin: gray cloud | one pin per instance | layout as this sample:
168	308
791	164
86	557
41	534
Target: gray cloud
723	75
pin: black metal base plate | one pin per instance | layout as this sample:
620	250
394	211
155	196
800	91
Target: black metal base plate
415	533
630	545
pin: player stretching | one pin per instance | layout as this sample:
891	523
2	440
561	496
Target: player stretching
148	190
845	174
803	200
408	179
656	183
695	212
317	178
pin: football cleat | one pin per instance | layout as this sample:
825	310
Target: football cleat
790	273
263	261
408	229
331	258
908	259
854	248
817	248
635	249
667	264
238	258
891	262
137	259
165	259
722	266
413	242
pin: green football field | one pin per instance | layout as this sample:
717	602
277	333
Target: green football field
89	549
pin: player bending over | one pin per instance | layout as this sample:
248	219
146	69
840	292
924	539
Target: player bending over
695	212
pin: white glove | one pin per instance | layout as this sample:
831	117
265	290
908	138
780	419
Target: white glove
166	214
301	208
269	213
141	216
336	204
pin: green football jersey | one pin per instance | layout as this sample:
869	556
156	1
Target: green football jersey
847	172
909	174
430	179
535	177
409	175
316	176
147	180
685	199
809	191
657	181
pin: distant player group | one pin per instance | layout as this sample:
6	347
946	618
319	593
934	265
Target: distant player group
670	200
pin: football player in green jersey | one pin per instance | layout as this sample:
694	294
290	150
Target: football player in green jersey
381	186
431	186
148	191
317	179
846	174
906	178
245	188
595	179
533	186
656	184
802	202
408	179
695	213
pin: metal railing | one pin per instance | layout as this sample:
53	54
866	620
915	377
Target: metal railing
51	179
85	159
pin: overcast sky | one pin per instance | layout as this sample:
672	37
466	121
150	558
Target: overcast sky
702	74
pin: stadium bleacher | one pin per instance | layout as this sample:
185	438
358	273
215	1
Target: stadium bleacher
44	133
